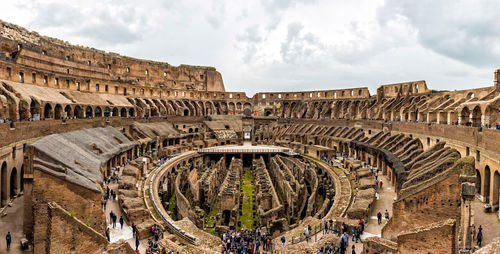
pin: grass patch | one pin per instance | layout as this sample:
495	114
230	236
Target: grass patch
210	219
247	218
172	207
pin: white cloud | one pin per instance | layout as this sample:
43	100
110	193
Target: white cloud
284	45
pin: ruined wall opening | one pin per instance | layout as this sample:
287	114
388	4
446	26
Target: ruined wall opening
47	111
78	112
496	190
58	111
14	187
487	180
3	187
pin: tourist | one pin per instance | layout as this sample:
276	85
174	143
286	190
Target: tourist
386	214
137	243
358	234
112	218
282	241
331	226
353	250
306	233
122	220
380	183
479	238
473	232
107	234
8	239
326	227
134	230
379	217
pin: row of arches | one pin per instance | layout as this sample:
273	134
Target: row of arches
488	185
11	182
58	111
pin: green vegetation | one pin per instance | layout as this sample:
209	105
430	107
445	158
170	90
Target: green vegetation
172	207
72	213
247	217
210	219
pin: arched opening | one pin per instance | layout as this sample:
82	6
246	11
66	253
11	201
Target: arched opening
268	113
186	112
88	112
47	111
486	183
78	112
58	111
24	110
107	111
464	115
123	112
478	181
476	117
98	112
496	190
14	188
21	179
114	112
130	112
67	109
3	187
35	109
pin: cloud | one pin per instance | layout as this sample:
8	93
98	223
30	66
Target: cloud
249	41
107	25
287	45
464	30
300	47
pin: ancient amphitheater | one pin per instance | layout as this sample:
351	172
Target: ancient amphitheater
199	161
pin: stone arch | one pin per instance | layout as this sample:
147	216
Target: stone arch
107	112
486	183
123	112
476	116
47	111
58	110
78	112
478	182
496	190
492	113
114	111
3	186
131	112
68	110
14	183
21	178
35	108
24	110
88	112
465	114
98	112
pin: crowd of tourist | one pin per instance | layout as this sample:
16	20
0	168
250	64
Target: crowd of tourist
247	241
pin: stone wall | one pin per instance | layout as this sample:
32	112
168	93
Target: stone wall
67	234
83	204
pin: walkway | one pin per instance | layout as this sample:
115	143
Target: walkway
488	221
117	234
372	228
385	200
13	222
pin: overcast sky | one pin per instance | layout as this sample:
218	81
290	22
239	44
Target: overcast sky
287	45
